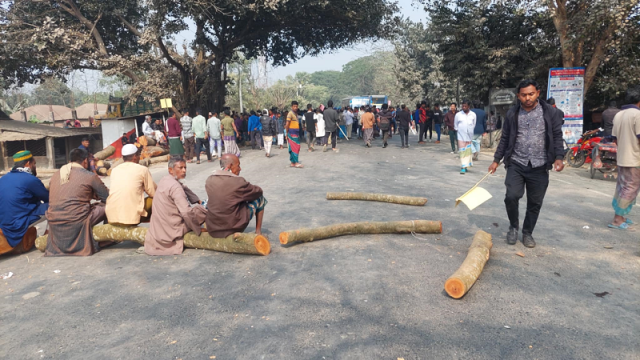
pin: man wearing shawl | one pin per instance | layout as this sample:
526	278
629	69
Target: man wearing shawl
71	214
24	202
465	122
173	215
293	133
229	131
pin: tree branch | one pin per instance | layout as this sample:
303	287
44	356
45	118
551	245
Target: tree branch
130	26
73	10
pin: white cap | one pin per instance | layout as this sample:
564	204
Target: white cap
129	149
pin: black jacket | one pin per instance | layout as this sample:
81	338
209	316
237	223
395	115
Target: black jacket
269	126
553	139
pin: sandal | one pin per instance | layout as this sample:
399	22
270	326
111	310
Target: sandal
198	162
299	166
623	226
629	222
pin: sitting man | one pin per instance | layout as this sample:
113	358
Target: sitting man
126	205
233	202
173	216
24	201
92	161
71	215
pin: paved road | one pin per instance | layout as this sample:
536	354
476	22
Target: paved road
356	297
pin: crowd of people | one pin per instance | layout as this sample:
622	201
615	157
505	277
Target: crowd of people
531	145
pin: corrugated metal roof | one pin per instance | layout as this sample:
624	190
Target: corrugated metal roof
45	130
18	136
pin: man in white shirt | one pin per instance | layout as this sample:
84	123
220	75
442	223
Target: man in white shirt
149	132
348	120
215	140
188	136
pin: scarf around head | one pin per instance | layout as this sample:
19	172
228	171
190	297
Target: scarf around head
65	172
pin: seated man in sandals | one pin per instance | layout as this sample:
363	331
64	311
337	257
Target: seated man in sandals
233	202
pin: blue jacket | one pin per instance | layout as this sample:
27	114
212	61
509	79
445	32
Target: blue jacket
254	122
481	122
22	196
416	116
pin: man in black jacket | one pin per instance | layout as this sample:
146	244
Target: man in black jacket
531	145
331	123
310	126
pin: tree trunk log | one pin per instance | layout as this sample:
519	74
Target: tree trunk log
403	200
463	279
238	243
389	227
103	154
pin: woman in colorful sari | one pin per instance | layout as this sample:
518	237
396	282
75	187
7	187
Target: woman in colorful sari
465	122
293	135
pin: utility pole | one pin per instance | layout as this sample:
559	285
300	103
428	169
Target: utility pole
458	92
240	88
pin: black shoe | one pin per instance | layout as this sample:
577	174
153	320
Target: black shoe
384	146
527	240
512	236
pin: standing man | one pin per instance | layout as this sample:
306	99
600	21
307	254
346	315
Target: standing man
255	128
126	204
626	132
607	117
449	121
404	120
384	123
86	147
437	121
188	136
229	131
348	121
173	214
429	122
367	127
71	215
331	122
202	135
465	122
174	133
293	132
215	139
480	128
531	145
24	201
310	126
281	123
422	116
269	131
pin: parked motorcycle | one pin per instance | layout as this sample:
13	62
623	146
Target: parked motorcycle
604	158
581	154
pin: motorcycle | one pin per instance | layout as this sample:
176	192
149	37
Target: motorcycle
604	158
581	154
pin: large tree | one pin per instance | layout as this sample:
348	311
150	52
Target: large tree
133	38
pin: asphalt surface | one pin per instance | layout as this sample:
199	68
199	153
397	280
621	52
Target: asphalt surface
354	297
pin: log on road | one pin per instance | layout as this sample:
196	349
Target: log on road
387	227
238	243
403	200
103	154
463	279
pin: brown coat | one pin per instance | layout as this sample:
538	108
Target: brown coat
228	196
71	214
172	218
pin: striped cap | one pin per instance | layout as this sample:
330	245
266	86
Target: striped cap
22	155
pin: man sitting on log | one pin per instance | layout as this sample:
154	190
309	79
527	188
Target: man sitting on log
71	215
23	203
173	216
233	202
126	205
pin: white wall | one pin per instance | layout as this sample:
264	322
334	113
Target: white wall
112	130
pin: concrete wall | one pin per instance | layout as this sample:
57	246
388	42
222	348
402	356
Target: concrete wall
112	130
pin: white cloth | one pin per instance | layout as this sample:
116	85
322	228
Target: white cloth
464	125
319	125
215	145
146	129
280	139
213	124
348	118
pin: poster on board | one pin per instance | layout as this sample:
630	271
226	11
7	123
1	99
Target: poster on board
566	86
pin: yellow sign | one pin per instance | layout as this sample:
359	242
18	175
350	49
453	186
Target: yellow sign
166	103
474	197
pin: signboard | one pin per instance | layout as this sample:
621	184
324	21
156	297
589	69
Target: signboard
566	86
502	97
166	103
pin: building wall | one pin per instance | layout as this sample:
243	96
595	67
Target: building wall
112	130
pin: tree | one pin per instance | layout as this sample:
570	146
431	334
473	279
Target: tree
133	38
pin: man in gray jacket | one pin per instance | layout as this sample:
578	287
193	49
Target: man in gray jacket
331	123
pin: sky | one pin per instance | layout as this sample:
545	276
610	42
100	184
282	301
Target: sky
335	60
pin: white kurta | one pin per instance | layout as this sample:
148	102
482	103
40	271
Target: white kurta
464	125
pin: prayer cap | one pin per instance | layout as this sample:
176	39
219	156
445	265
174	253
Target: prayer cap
129	149
22	155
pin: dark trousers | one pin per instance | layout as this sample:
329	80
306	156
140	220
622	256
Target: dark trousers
189	144
453	136
423	131
334	138
429	129
256	137
535	181
311	138
199	143
404	137
385	136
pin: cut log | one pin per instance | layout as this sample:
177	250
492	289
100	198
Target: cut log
403	200
153	151
388	227
158	159
238	243
103	154
463	279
